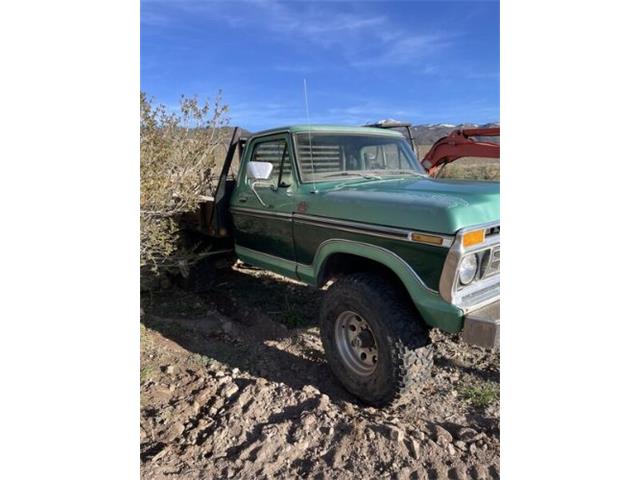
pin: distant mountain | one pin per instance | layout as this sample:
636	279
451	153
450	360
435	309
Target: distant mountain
429	134
227	131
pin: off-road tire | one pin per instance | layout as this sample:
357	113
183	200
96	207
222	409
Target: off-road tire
405	352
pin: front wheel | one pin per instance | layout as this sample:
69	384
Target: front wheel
375	342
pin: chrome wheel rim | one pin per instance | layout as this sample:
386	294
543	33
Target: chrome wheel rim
356	343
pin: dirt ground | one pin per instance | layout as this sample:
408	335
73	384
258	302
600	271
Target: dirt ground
233	384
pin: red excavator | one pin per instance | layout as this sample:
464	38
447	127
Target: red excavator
459	143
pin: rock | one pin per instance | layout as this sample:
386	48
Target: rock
170	369
308	421
235	372
311	390
219	374
302	444
467	434
404	474
269	430
443	436
160	454
396	434
230	389
451	449
461	445
349	410
414	448
323	404
175	431
472	448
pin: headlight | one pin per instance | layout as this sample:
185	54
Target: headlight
468	269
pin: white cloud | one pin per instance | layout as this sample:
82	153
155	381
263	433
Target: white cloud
359	37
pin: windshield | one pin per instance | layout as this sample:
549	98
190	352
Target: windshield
327	156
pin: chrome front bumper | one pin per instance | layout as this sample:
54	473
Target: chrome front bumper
482	326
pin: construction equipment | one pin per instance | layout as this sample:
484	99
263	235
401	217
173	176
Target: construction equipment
459	143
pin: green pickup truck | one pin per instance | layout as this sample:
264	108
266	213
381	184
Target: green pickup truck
351	209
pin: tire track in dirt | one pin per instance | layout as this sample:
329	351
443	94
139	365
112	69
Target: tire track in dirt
227	391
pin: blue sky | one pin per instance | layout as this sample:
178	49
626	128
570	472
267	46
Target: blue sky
419	61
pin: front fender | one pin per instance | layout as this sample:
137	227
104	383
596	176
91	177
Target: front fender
435	311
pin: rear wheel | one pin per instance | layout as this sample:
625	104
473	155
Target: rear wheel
375	342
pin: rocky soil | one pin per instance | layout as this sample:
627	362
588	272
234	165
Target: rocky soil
233	384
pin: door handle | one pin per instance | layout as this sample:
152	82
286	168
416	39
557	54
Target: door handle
242	199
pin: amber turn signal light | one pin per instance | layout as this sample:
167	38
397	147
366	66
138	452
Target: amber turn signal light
424	238
472	238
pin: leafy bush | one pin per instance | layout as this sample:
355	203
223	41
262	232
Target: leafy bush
176	167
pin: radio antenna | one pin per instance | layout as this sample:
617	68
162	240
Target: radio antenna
313	170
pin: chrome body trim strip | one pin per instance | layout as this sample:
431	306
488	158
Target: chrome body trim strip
347	226
370	229
256	212
351	230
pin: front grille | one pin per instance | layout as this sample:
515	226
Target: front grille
492	263
492	231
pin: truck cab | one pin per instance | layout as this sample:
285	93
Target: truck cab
401	252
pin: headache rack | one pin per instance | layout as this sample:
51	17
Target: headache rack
404	127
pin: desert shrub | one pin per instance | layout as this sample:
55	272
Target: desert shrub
177	159
488	171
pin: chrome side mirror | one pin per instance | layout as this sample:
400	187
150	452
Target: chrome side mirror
256	172
259	170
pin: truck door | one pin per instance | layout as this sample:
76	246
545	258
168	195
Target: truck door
262	210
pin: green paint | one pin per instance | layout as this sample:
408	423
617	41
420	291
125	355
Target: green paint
297	250
424	204
268	262
434	310
426	260
258	233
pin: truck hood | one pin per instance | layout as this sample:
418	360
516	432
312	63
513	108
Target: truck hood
439	206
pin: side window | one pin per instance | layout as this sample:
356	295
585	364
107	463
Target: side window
275	152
